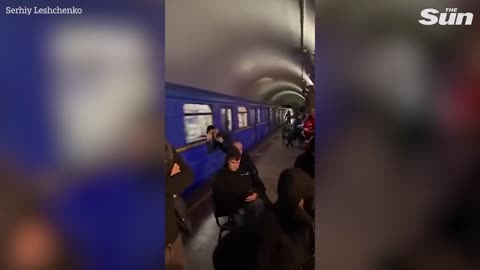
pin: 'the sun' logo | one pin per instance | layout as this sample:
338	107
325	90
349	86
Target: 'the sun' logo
449	17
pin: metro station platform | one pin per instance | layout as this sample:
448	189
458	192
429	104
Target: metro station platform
271	158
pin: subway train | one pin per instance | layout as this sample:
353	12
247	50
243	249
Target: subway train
188	113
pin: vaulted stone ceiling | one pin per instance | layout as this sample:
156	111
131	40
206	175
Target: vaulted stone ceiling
247	48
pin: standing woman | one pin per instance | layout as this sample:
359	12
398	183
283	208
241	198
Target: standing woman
146	151
179	177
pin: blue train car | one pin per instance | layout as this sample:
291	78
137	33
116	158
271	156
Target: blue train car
188	113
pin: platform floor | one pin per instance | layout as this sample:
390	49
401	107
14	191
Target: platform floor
271	158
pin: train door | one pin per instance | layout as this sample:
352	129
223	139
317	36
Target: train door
226	118
275	116
270	119
279	117
274	121
265	121
254	125
258	127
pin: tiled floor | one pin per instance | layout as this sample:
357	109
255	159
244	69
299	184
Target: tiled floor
271	158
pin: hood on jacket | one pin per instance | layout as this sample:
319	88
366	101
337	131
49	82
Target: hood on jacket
293	186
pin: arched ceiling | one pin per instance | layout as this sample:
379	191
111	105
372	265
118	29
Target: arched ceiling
247	48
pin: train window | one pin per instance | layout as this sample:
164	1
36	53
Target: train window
197	117
242	117
259	119
227	119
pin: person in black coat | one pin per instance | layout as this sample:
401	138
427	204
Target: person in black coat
179	177
287	236
246	162
247	165
145	150
283	238
306	161
296	131
237	191
237	250
217	140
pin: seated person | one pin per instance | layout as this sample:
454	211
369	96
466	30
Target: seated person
287	238
284	237
306	161
236	251
217	140
236	191
246	163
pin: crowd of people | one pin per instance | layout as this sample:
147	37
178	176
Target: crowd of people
262	231
265	234
299	128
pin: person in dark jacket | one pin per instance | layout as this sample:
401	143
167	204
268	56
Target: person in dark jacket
237	250
306	161
160	161
284	237
246	162
179	177
217	140
296	133
288	117
287	241
237	191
